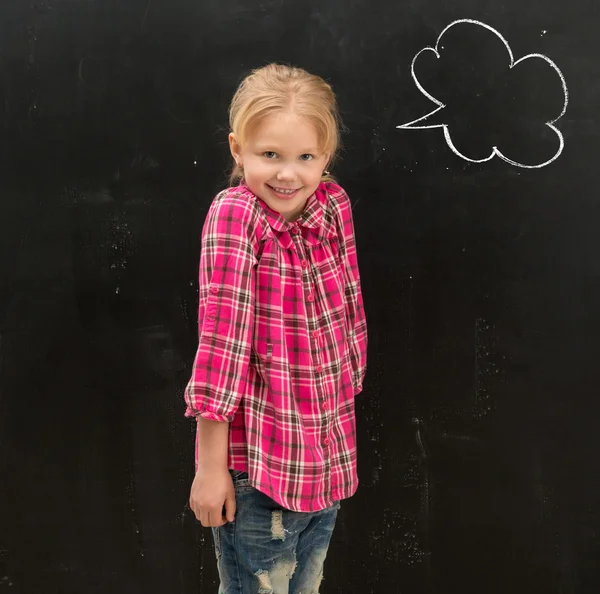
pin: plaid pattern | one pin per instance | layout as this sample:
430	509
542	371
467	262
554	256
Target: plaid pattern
282	343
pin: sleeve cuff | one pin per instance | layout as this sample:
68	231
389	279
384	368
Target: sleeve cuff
211	416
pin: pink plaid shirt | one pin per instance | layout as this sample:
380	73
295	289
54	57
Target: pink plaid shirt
282	343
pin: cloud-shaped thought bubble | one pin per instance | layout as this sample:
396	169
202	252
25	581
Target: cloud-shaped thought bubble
478	76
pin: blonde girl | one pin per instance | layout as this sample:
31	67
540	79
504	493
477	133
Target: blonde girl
282	341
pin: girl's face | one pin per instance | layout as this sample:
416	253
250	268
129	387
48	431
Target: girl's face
282	162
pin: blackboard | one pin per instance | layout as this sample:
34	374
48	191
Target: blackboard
481	277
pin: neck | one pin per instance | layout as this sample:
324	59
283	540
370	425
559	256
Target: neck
294	215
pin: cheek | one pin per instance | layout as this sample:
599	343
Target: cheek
260	170
314	176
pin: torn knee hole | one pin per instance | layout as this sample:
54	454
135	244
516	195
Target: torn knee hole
277	529
264	582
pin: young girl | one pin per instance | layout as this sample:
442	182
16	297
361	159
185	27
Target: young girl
282	341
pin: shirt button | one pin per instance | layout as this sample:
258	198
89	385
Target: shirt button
326	441
315	334
310	297
304	264
325	406
294	230
319	368
214	290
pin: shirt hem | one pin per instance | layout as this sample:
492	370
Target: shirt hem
336	496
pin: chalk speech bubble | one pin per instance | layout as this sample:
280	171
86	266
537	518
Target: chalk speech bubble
421	123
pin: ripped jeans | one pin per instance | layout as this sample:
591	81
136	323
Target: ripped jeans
269	549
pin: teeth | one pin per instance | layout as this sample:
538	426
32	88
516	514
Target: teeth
283	191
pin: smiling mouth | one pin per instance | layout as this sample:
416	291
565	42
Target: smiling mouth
285	192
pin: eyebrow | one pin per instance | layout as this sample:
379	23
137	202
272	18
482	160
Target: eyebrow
260	147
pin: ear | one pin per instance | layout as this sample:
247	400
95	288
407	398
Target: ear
235	148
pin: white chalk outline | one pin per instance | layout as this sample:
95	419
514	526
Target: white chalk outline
495	151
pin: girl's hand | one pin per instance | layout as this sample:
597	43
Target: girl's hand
211	490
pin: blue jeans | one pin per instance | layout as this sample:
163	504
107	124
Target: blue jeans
269	549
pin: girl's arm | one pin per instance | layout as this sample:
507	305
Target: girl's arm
225	326
226	312
212	487
212	441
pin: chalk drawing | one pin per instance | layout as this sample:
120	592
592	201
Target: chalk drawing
421	123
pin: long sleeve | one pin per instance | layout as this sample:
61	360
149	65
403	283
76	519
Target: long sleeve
226	310
357	323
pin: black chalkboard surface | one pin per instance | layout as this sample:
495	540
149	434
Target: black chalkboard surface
477	228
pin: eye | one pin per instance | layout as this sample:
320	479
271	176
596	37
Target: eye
269	154
306	157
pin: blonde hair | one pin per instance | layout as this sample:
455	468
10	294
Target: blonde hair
275	88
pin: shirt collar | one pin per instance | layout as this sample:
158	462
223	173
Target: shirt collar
311	217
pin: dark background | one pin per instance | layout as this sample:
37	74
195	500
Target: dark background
479	448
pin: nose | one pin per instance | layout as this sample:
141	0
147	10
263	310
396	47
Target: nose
286	172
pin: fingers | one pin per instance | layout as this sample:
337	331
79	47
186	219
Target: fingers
230	505
212	498
209	518
214	519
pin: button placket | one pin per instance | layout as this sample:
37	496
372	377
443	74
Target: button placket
304	264
314	334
